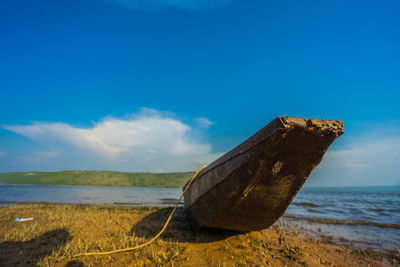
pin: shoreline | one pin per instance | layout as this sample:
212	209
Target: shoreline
328	188
88	185
86	227
168	202
380	237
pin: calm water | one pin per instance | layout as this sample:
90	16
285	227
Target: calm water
88	194
374	205
364	216
356	214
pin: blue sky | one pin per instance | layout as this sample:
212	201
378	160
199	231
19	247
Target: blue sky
168	85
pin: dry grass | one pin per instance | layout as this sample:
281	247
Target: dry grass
58	232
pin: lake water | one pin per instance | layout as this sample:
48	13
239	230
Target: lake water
130	196
358	215
362	216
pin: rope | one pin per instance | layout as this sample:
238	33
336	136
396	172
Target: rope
155	237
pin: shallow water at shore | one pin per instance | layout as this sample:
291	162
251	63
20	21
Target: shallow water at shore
49	241
379	206
364	216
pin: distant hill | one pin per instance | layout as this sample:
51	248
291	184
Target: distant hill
98	178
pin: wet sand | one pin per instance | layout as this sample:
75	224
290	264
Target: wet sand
58	232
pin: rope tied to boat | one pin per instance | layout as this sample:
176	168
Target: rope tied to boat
156	236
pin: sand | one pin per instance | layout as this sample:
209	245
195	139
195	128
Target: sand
58	232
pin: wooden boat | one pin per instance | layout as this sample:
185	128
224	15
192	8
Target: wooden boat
252	185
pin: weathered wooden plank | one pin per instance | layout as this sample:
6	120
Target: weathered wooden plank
252	185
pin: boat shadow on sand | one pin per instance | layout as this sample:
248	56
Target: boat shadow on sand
181	228
30	252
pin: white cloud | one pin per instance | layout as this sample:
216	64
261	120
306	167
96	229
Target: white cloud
181	4
373	160
2	153
146	141
203	122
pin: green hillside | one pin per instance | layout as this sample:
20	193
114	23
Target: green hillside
99	178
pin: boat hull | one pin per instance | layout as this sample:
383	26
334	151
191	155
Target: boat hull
251	186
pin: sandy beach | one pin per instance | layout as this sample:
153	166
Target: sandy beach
58	232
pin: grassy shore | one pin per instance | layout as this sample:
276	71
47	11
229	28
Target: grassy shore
58	232
98	178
